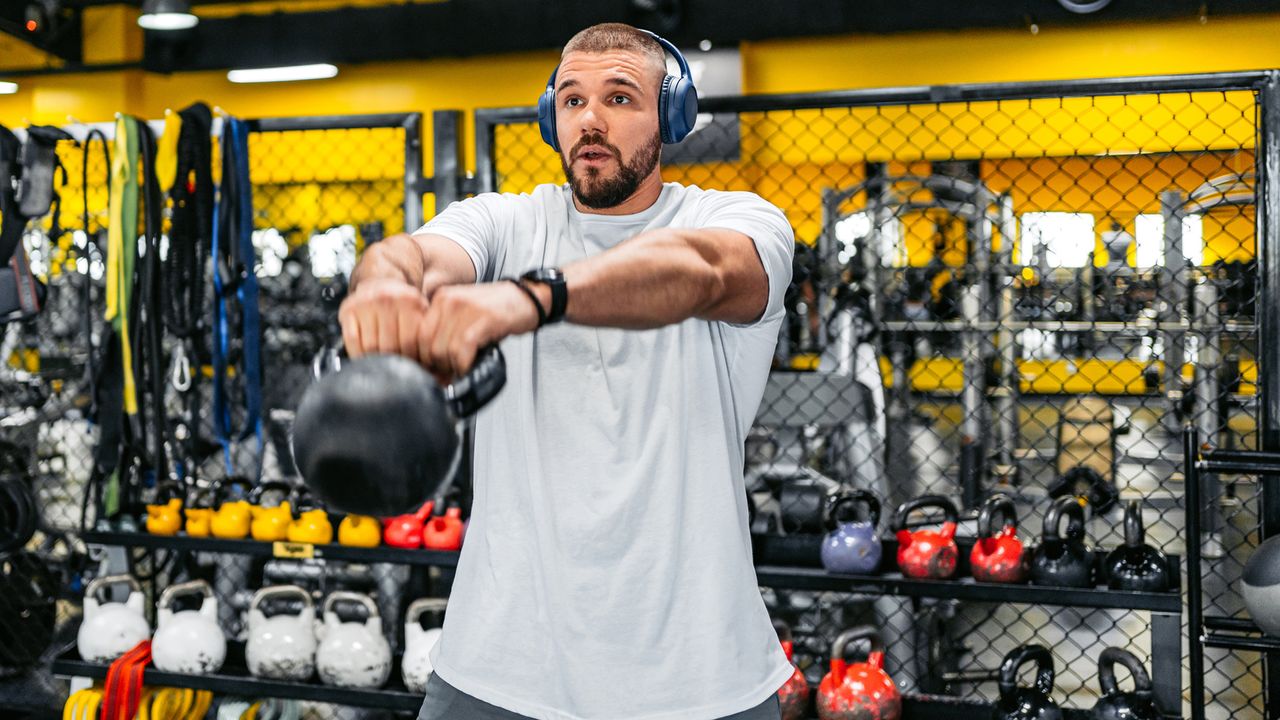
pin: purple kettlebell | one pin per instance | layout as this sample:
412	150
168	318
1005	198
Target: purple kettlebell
852	546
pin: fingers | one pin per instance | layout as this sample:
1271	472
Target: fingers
382	317
452	330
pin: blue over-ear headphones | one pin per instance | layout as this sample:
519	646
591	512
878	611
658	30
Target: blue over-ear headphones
677	103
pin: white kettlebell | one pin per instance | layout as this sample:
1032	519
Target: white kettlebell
111	629
281	647
352	654
416	663
189	641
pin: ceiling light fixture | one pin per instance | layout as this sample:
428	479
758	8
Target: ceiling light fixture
289	73
8	88
167	15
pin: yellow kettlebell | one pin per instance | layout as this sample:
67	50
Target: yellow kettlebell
165	519
198	520
270	523
199	513
313	527
359	531
231	520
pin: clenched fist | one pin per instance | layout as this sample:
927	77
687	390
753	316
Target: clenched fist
443	334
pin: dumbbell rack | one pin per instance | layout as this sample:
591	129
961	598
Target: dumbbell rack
783	562
1213	631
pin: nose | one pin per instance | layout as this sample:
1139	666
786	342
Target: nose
591	119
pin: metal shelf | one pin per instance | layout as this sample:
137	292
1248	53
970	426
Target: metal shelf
234	679
967	589
791	551
333	551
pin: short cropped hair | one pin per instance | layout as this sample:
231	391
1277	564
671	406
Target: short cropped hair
618	36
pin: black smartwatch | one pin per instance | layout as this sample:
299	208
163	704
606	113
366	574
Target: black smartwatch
554	279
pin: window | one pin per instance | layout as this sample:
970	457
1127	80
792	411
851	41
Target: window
1066	237
1149	236
856	227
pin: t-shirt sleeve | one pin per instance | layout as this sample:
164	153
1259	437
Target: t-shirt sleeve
767	227
473	224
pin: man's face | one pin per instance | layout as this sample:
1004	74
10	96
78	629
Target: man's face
607	121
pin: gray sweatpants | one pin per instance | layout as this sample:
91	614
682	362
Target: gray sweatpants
445	702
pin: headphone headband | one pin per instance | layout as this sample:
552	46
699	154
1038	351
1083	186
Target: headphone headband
677	101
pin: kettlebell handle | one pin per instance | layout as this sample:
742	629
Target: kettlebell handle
169	489
1135	535
998	505
852	498
255	495
862	632
97	584
1070	506
424	605
222	486
479	385
1113	656
337	596
192	587
950	514
278	591
1021	656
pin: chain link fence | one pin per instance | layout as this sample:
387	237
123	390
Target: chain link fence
1023	289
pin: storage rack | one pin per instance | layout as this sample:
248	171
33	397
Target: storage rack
1215	631
783	562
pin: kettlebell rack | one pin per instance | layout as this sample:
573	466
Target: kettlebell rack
783	562
1217	631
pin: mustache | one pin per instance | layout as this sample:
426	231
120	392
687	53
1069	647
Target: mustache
594	140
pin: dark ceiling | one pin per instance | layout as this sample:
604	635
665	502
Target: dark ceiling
474	27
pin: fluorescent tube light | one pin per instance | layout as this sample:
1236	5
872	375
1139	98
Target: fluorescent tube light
8	88
283	74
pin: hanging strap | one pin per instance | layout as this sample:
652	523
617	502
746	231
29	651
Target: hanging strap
236	322
152	357
91	367
122	248
11	221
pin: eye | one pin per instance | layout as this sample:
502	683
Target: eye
621	100
572	101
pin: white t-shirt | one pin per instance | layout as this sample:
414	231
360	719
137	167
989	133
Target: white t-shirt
607	571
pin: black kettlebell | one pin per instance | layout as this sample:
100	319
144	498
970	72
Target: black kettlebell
1136	565
1116	705
379	437
1033	703
1063	561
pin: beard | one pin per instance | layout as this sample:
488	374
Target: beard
598	192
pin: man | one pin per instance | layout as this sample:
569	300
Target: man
607	571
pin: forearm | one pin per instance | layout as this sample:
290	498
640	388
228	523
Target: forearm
654	279
396	257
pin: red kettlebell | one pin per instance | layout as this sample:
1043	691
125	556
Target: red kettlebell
927	554
793	697
405	531
444	532
861	691
999	556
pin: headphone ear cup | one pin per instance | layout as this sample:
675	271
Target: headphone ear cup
680	104
664	110
547	118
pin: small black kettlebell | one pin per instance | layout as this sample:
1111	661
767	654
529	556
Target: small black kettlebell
1136	565
1116	705
1033	703
379	436
1063	561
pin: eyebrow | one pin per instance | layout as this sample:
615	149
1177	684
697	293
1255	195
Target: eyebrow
616	80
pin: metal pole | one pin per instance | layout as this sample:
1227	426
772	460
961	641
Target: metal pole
1207	422
486	173
1195	598
1172	296
446	182
413	172
1007	403
1268	242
